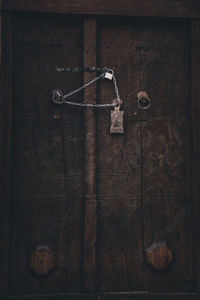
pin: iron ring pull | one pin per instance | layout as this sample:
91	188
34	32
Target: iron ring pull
57	97
143	100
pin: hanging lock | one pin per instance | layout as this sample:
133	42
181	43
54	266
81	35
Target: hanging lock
143	100
117	117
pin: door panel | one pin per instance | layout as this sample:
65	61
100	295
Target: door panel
144	177
47	206
120	238
167	193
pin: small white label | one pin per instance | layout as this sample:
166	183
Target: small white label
108	76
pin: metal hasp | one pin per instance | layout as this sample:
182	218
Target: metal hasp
117	117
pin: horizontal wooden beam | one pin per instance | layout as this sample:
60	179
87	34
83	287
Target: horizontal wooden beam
137	8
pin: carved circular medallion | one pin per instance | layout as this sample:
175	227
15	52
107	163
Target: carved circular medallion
42	261
159	256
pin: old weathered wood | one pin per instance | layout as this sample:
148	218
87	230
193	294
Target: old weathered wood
137	8
166	156
107	215
113	296
126	295
63	296
5	150
174	296
0	30
90	216
47	156
120	232
195	109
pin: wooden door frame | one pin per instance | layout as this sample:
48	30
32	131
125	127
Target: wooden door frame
188	9
136	8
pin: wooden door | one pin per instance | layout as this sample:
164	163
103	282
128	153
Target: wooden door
93	214
144	178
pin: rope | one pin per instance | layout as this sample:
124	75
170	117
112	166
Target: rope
62	98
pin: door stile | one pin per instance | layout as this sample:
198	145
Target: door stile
90	209
195	76
142	169
5	146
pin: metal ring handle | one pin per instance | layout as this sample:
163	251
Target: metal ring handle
57	97
143	100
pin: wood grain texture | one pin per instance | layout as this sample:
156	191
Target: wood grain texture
90	216
63	296
126	295
195	73
113	296
174	296
47	155
5	149
0	31
166	157
150	8
150	163
136	186
120	232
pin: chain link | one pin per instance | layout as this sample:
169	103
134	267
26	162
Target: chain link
84	69
62	98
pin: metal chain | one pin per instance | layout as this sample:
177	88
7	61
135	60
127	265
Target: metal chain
84	69
62	98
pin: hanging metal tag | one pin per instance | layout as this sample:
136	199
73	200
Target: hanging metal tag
117	120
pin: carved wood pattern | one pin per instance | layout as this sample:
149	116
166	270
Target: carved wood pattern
150	163
166	153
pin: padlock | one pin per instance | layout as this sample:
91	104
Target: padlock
117	116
